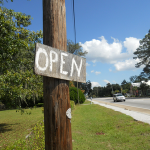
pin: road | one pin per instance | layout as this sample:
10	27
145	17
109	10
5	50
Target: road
133	102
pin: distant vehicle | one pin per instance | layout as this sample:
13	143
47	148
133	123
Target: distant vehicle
119	97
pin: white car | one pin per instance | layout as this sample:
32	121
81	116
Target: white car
118	97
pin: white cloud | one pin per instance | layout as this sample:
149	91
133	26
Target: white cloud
95	84
97	72
110	70
131	44
87	74
94	61
126	65
106	81
87	64
102	51
92	71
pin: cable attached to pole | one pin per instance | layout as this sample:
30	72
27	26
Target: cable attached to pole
75	42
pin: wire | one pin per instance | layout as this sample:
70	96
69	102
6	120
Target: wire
75	42
74	22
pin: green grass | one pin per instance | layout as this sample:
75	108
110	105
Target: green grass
93	127
87	102
97	128
14	126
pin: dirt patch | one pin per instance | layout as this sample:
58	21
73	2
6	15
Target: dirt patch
100	133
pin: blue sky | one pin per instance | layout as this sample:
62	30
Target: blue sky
109	30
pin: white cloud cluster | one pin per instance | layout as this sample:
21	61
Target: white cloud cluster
128	64
95	84
96	72
87	64
102	51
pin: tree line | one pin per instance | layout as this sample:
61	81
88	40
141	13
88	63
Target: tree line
19	85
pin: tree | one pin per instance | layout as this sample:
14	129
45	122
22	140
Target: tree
143	87
117	91
134	89
143	54
134	79
75	49
17	43
124	91
2	1
125	86
123	82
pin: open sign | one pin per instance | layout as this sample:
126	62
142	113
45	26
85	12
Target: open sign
55	63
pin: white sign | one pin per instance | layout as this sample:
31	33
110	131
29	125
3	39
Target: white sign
55	63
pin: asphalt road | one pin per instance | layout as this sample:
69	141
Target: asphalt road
134	102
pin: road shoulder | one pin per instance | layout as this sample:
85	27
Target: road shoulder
130	108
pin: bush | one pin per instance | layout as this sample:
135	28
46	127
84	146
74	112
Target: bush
74	95
72	104
2	106
42	109
40	105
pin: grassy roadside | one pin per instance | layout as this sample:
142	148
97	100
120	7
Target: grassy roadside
14	126
93	127
97	128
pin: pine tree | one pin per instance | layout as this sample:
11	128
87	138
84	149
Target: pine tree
143	54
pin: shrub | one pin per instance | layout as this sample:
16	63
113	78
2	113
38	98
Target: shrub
94	96
40	104
72	104
42	109
2	106
74	95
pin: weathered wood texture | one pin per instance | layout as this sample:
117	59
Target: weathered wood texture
55	63
56	91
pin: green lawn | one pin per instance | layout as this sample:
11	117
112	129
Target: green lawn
93	127
97	128
14	126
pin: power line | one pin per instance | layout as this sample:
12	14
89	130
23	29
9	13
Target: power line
74	22
75	41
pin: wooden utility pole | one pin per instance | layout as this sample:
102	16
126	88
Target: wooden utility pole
56	91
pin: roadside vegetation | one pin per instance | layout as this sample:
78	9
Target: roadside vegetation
93	127
16	124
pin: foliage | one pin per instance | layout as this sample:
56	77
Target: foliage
71	84
124	91
107	91
14	126
134	89
35	140
143	54
42	109
143	87
84	87
135	79
18	83
72	104
2	1
74	95
40	104
117	91
75	49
